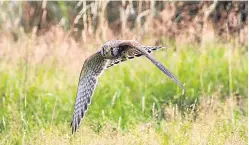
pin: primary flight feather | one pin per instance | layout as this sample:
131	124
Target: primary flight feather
112	52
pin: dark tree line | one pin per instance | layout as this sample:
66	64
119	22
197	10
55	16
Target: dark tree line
171	18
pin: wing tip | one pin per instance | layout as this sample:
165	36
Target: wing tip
74	125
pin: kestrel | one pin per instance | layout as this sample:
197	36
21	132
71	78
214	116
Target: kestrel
111	53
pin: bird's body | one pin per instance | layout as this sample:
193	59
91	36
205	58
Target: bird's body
112	52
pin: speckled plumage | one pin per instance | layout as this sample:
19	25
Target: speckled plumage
112	52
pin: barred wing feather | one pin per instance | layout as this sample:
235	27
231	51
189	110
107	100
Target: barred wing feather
132	53
92	68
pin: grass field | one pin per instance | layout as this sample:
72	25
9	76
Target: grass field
134	102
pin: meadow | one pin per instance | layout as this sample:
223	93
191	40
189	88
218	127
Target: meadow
134	102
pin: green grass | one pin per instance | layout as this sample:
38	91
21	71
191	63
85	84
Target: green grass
134	102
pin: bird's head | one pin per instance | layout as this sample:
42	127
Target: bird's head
109	51
114	48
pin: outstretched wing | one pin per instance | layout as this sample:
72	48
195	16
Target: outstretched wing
92	68
165	70
160	66
132	53
131	49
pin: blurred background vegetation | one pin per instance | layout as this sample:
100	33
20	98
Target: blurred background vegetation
43	45
103	20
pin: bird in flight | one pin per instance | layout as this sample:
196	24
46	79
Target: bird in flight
112	52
